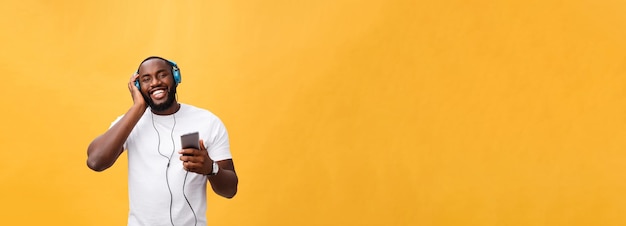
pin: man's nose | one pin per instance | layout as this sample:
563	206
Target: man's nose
155	81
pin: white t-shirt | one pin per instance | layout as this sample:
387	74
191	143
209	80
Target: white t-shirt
155	189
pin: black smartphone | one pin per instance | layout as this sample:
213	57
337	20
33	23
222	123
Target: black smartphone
190	140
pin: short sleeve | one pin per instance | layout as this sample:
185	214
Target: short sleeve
219	147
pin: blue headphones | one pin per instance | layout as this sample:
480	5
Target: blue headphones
175	73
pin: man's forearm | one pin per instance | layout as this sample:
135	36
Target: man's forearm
225	182
104	150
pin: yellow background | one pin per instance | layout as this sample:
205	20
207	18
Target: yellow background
383	112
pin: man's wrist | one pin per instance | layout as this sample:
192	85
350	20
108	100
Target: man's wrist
215	169
139	107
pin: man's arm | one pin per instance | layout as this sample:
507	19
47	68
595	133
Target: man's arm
106	148
225	182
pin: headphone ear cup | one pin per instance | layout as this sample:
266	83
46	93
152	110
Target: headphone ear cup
175	72
177	78
137	81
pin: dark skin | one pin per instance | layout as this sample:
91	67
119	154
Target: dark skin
155	75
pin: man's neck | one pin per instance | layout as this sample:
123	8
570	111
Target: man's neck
170	110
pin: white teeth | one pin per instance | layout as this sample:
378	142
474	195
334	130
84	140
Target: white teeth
157	92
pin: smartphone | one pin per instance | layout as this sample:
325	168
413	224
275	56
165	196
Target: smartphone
190	140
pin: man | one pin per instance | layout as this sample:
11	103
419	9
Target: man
166	184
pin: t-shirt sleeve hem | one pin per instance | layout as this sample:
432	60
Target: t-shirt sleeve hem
222	154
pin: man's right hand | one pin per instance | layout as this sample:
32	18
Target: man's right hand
135	92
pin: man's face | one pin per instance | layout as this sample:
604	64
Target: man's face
157	84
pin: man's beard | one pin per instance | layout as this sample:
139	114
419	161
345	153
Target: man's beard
171	96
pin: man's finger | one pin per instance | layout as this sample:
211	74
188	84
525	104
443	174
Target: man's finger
202	145
187	152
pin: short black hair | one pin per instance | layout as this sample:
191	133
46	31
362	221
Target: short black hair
160	58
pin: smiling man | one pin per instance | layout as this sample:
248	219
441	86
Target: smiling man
166	183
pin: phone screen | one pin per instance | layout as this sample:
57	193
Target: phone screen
190	140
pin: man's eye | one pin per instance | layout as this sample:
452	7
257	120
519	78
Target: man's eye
145	79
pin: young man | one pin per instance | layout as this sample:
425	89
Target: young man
166	184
